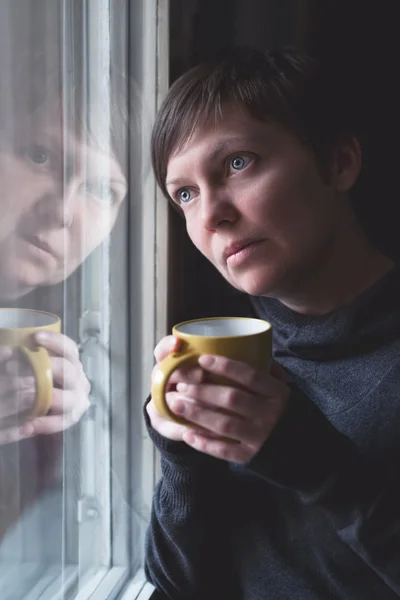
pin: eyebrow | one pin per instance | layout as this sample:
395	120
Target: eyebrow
219	148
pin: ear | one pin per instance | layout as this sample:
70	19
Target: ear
346	163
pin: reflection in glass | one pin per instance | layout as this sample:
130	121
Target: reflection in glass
63	185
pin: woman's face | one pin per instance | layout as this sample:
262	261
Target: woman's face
255	203
60	197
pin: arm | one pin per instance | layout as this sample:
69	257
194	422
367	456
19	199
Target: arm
287	440
361	498
188	540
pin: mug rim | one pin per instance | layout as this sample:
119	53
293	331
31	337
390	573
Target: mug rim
56	318
176	330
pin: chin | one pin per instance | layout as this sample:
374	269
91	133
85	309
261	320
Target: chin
257	284
13	292
13	289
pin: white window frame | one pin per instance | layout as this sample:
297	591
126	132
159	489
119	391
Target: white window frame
154	286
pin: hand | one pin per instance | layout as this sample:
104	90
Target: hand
17	390
231	423
239	421
165	427
228	423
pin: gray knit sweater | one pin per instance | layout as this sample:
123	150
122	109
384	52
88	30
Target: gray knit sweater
315	515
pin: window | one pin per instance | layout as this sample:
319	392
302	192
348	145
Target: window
83	237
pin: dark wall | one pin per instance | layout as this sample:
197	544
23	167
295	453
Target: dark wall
358	42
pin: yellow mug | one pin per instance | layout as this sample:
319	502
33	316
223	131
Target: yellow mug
239	338
17	326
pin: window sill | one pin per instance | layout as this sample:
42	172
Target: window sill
138	588
31	581
115	585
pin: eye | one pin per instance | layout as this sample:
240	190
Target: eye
101	190
184	196
239	162
39	155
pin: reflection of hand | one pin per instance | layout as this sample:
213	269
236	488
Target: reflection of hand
17	390
236	435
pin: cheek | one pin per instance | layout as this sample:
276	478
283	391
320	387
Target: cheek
298	203
91	227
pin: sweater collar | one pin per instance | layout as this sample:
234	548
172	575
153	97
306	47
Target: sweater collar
356	327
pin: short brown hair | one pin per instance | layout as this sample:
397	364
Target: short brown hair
285	85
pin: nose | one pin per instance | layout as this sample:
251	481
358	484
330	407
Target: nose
56	208
217	208
69	195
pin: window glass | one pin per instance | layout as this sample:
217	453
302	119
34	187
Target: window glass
74	265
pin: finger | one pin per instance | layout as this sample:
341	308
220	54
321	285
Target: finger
66	411
5	353
226	426
18	366
70	412
47	425
166	346
230	399
165	427
65	374
58	344
224	450
189	375
243	374
64	402
14	434
11	384
15	405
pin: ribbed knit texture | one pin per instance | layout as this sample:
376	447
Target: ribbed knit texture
315	515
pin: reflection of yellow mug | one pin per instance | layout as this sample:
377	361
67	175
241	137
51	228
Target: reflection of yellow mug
17	326
243	339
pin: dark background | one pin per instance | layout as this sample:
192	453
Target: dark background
359	44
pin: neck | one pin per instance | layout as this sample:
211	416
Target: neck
350	266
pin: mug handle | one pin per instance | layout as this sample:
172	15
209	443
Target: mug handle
40	362
163	373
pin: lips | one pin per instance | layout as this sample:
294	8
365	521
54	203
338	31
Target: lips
41	244
236	247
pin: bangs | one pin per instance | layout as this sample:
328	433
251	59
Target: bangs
188	106
249	80
285	86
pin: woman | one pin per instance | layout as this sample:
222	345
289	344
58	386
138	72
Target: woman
294	493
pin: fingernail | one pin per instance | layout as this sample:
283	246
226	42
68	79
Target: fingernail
188	437
173	343
205	360
5	352
181	387
178	407
42	336
27	430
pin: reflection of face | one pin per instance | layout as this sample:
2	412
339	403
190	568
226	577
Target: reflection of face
59	200
243	181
